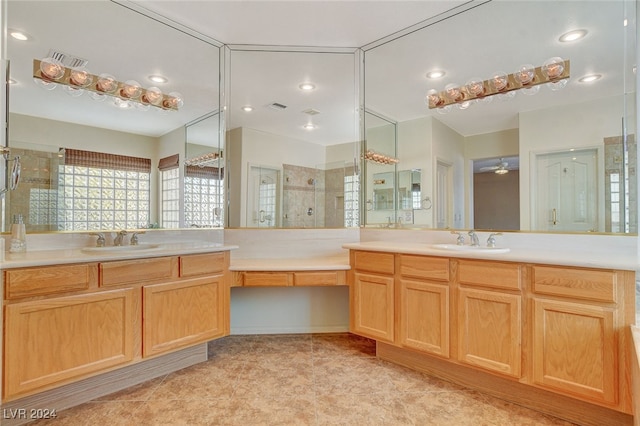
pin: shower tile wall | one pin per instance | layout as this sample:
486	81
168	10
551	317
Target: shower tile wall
613	165
303	189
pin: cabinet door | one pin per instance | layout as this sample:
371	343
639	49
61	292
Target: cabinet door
48	342
372	310
575	349
489	330
182	313
424	317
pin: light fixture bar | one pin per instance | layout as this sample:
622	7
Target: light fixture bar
210	159
443	98
168	102
379	158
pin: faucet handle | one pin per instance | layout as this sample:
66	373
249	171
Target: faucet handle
491	241
134	238
100	241
460	239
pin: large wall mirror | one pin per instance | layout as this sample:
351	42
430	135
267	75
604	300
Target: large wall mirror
292	140
64	137
534	160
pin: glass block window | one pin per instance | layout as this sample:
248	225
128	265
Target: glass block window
103	191
203	191
170	193
351	201
43	205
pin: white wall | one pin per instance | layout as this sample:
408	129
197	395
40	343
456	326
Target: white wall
561	128
448	146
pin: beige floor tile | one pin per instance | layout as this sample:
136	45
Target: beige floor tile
112	413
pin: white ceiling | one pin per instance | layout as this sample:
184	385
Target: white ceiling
498	35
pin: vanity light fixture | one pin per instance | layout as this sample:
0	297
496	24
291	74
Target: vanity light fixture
50	72
590	78
209	159
378	158
554	73
573	35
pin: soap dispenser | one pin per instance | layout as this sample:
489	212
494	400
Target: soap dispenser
18	235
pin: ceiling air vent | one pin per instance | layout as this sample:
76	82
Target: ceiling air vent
277	106
311	111
67	60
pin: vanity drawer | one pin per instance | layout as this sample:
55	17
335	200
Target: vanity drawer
382	263
267	279
590	284
202	264
433	268
138	271
46	280
490	274
319	278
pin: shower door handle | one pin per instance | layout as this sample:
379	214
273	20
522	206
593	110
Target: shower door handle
262	216
554	216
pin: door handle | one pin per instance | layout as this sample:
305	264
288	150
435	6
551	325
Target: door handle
554	216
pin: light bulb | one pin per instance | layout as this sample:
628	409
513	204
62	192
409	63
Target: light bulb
152	96
475	87
530	90
553	68
106	83
173	101
51	69
46	85
121	103
525	74
464	105
131	89
557	85
80	77
453	92
73	91
499	81
433	99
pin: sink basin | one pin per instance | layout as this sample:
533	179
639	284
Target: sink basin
470	249
121	249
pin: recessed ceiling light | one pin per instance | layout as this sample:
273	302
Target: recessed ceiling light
309	126
247	108
590	78
573	35
19	35
157	78
307	86
435	74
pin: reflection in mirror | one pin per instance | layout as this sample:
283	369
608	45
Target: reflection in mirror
292	143
81	193
580	118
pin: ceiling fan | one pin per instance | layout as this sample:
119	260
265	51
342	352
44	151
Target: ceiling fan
500	168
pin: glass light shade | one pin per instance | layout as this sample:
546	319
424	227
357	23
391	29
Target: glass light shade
433	98
557	85
499	81
141	107
173	101
51	69
475	87
530	90
46	85
553	68
98	97
464	105
106	83
80	77
152	96
131	89
453	92
72	91
122	103
525	74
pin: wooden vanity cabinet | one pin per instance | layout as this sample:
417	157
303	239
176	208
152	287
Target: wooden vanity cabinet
424	304
67	322
490	315
372	295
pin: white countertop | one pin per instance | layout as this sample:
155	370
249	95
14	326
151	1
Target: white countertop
336	263
61	256
593	258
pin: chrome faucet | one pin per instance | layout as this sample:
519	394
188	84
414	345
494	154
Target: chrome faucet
134	238
491	241
474	239
460	239
100	241
118	240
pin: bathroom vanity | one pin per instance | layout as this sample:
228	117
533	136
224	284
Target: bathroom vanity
550	336
70	315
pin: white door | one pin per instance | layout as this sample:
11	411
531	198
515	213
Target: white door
567	196
442	202
264	189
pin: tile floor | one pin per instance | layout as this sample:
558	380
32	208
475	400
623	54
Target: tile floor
311	379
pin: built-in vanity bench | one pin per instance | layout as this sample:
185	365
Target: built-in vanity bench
78	325
542	329
290	271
